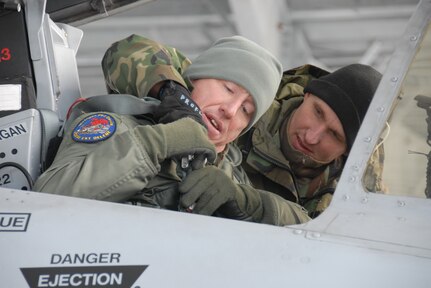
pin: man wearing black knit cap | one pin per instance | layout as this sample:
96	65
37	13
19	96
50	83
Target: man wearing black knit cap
348	92
299	147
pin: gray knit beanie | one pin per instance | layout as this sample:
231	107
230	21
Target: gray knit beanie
348	91
245	63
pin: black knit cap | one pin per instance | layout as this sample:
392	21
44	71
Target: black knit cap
348	91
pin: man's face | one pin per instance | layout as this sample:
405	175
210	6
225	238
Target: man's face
316	131
226	107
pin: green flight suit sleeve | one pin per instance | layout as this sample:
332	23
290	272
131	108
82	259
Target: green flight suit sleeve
279	211
263	207
256	205
116	168
135	64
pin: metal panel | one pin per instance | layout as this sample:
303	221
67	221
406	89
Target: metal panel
183	250
84	11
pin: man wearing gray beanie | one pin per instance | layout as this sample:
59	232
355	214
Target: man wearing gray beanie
242	61
146	159
299	147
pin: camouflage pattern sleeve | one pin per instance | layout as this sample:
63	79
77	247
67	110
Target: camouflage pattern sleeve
372	180
135	64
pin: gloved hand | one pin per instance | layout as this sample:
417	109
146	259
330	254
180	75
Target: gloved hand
180	138
176	103
209	191
206	190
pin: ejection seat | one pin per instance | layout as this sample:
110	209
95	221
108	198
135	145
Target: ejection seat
38	82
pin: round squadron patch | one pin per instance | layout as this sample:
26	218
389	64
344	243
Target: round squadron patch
94	128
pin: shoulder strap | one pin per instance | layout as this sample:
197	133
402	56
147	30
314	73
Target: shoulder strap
50	127
245	143
124	104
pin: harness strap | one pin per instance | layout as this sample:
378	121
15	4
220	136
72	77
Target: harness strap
247	144
50	126
123	104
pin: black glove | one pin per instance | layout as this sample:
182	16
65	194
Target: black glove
205	190
176	103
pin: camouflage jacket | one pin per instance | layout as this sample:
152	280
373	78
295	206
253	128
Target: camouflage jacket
266	165
133	66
